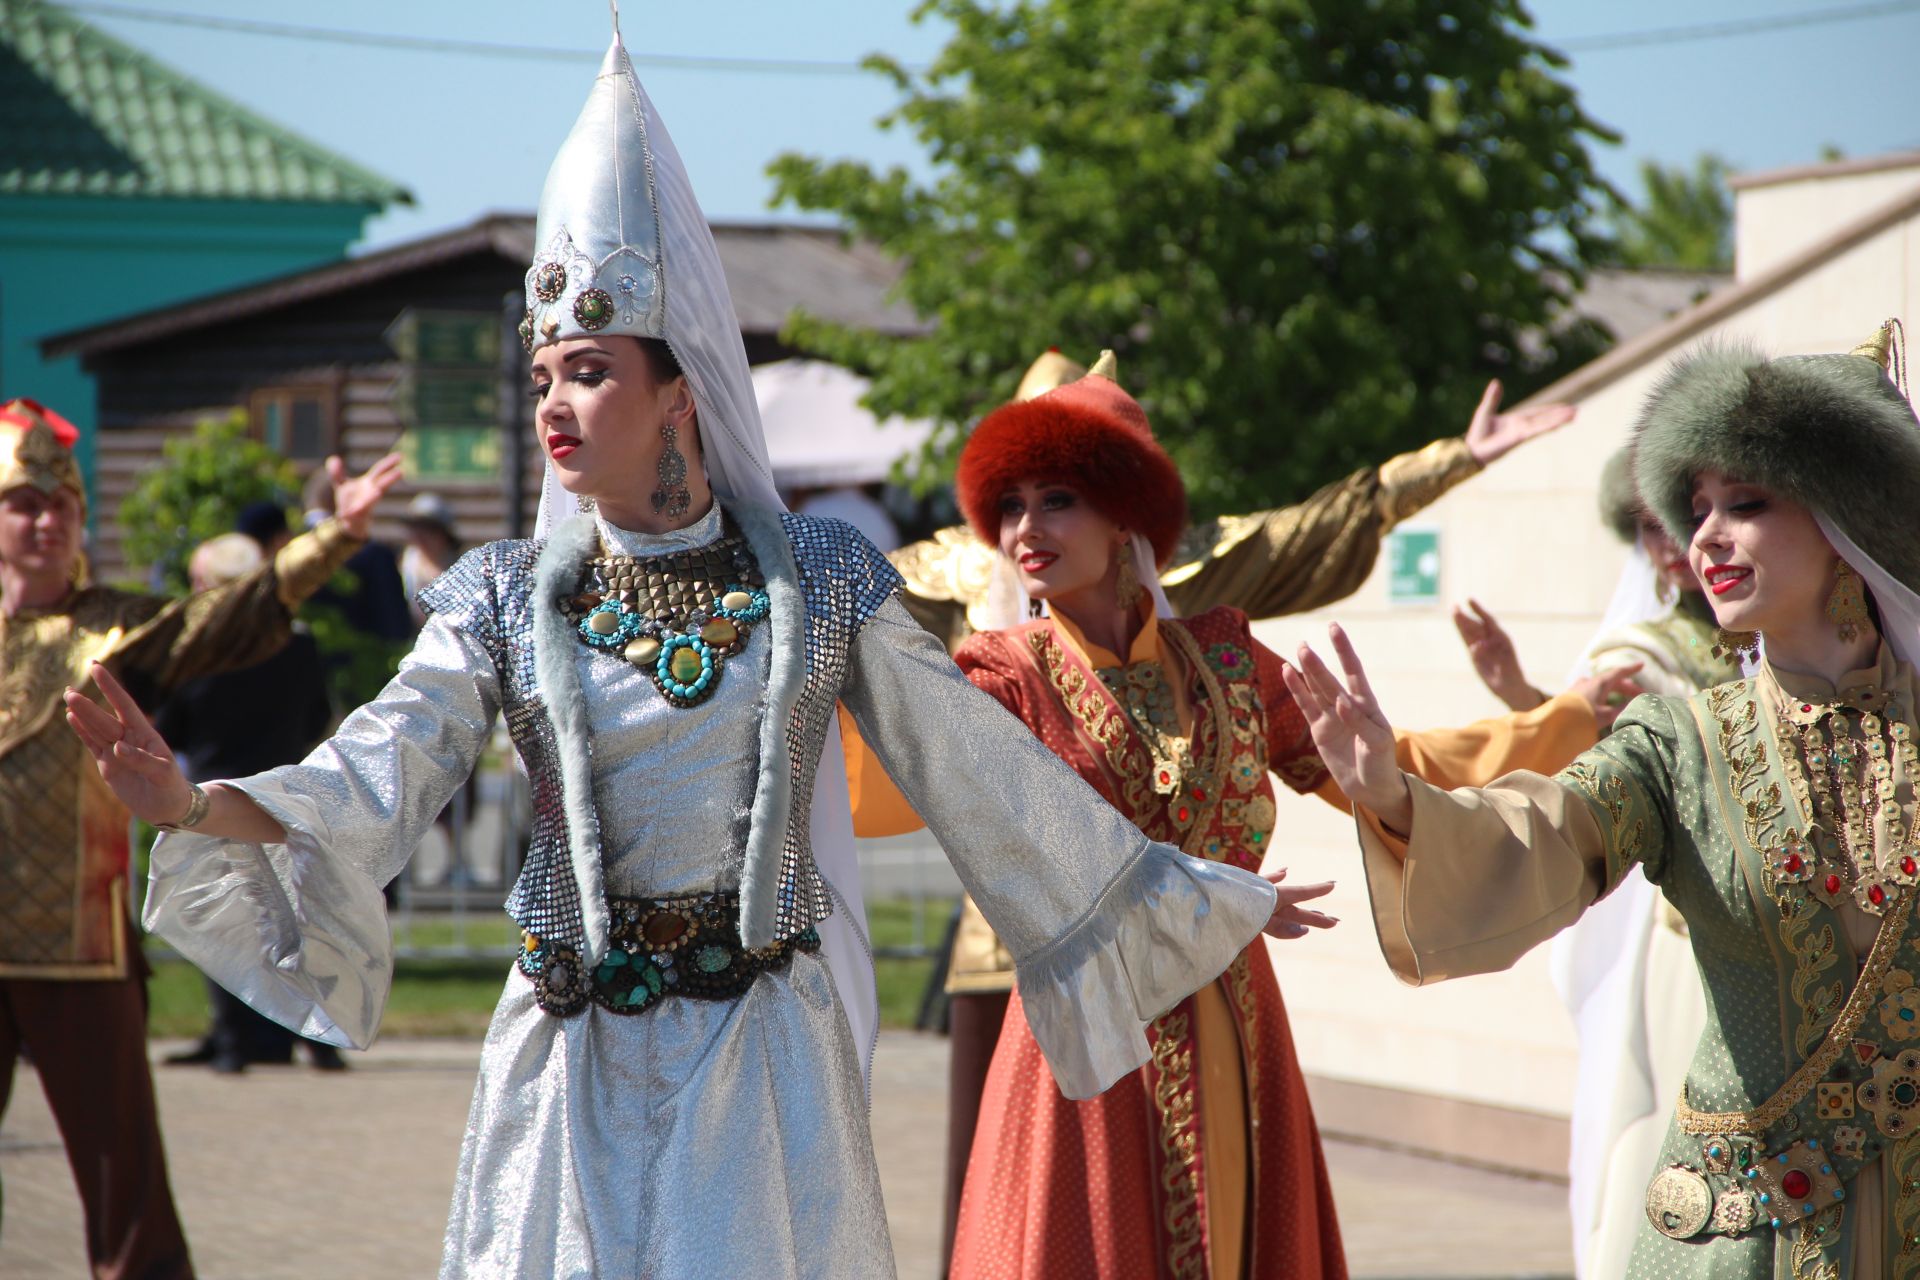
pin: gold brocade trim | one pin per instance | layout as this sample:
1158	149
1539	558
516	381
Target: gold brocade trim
1103	721
1903	1205
1179	1158
1761	806
1810	1240
1625	844
1866	995
1737	714
1214	700
1813	954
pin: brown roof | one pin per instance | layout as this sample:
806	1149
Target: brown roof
771	269
1651	345
1830	169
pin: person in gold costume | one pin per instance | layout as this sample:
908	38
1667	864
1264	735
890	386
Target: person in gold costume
72	981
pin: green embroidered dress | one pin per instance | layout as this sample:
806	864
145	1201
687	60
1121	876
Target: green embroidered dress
1775	814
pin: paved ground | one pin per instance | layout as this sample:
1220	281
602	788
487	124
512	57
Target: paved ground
287	1174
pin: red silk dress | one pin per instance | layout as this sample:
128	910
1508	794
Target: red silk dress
1205	1162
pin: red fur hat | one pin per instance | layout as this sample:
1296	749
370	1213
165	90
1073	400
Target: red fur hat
1089	434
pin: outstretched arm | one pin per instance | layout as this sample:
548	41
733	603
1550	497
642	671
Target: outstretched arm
137	764
1466	880
1351	733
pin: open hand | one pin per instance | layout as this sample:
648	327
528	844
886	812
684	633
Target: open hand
1493	434
1494	657
1609	692
131	755
355	497
1290	919
1353	737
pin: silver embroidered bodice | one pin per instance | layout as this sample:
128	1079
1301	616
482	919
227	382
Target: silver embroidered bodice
668	784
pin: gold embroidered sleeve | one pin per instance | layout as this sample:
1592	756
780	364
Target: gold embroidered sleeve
1417	480
1296	558
235	625
304	565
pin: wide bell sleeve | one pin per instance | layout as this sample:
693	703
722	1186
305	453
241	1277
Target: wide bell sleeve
1108	929
1488	873
298	929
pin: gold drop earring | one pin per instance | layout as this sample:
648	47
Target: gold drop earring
1126	583
1847	606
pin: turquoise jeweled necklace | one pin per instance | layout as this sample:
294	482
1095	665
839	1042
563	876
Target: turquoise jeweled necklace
677	617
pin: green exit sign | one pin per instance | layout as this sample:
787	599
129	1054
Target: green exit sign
1413	566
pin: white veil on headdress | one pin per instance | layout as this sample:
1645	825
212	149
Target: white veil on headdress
621	246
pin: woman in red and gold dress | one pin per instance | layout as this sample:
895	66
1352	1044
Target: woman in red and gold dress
1206	1162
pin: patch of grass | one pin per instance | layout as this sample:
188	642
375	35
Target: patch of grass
455	995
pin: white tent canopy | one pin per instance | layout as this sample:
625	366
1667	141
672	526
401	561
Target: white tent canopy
818	435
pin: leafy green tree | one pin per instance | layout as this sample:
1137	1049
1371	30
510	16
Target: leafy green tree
196	493
1310	229
1685	219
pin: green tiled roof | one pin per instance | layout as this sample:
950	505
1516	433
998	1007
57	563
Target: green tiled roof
83	114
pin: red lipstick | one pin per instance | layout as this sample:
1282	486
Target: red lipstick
559	446
1722	578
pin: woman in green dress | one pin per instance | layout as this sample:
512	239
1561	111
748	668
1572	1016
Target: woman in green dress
1775	812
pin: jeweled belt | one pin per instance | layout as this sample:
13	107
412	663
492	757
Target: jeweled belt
657	947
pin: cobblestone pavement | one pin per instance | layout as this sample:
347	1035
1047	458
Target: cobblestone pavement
289	1174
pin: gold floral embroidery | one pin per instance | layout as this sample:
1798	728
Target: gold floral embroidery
1626	841
1813	954
1179	1173
1738	717
1104	723
1810	1240
1904	1166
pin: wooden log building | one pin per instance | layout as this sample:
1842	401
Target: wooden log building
310	360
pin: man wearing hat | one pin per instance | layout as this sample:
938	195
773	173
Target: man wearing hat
72	991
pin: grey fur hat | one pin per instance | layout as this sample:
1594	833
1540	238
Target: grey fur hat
1619	501
1830	432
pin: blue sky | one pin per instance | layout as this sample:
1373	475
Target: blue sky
473	133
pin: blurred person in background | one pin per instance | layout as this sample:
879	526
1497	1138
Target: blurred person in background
374	604
266	524
237	722
72	978
433	544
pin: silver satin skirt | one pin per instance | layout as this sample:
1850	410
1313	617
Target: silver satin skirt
697	1139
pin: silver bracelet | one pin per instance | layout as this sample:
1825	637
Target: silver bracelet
196	812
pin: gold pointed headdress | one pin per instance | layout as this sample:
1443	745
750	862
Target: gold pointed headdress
1053	370
36	449
1888	349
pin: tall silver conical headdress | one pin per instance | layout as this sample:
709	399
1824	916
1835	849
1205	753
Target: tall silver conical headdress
621	247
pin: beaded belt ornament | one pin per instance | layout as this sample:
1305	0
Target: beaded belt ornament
658	947
677	617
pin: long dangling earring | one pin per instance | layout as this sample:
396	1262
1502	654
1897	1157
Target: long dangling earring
1737	646
1664	591
672	499
1126	583
1847	606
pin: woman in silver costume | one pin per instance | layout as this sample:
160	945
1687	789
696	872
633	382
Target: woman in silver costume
672	1083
